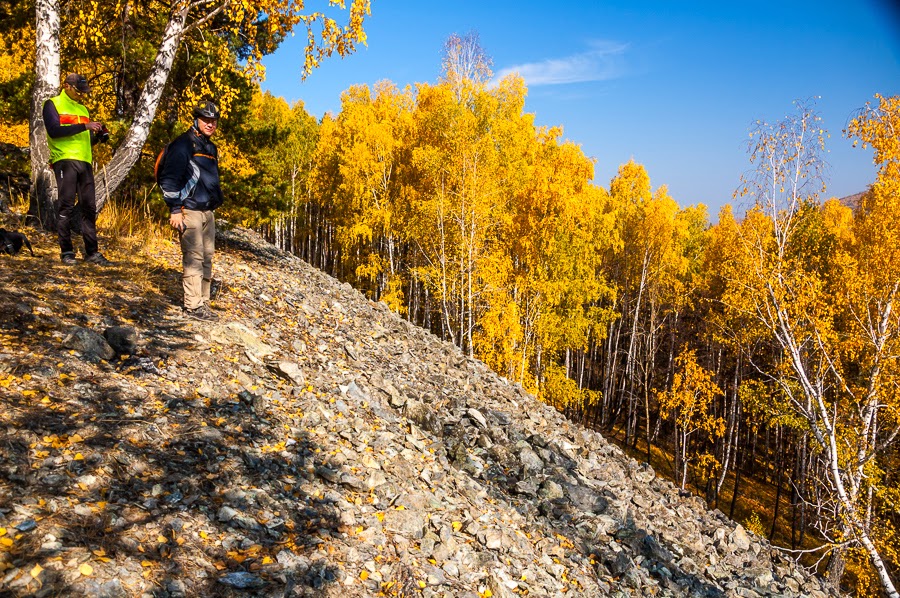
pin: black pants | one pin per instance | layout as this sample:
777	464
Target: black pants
76	177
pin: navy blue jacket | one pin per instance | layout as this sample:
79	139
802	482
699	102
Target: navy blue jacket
189	174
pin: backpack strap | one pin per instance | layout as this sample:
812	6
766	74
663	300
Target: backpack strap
160	161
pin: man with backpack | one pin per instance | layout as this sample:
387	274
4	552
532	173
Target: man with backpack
188	174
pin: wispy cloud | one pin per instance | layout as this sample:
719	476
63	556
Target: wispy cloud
601	63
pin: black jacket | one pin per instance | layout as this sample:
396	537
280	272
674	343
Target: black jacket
189	174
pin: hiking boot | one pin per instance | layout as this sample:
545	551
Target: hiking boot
98	259
201	313
68	259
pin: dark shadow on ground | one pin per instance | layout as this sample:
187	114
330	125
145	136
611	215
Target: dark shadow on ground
121	470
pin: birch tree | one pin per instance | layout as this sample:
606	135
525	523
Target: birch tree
464	59
257	24
46	82
838	335
688	403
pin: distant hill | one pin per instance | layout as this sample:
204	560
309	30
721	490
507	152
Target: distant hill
852	201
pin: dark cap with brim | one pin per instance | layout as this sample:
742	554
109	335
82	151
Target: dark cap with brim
78	82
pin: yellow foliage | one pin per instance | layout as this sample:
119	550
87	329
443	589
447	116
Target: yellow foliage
231	158
689	400
14	133
631	183
808	292
755	525
689	404
393	295
16	54
563	393
499	338
838	220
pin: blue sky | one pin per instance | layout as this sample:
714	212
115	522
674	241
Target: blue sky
674	85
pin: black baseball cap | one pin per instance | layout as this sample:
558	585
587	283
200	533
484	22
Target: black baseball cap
78	82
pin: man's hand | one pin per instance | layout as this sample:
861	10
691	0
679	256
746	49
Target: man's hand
176	219
94	127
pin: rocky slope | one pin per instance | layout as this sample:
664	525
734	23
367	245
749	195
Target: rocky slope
310	444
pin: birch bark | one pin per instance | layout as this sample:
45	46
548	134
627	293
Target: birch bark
112	175
788	177
46	84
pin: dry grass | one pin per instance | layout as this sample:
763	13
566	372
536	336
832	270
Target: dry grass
127	224
130	228
129	233
18	204
131	225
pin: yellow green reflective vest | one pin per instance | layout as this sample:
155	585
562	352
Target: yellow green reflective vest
71	147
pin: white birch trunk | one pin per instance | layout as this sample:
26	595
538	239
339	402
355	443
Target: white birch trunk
729	437
844	481
788	159
112	175
46	84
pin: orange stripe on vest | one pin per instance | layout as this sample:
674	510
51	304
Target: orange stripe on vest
73	119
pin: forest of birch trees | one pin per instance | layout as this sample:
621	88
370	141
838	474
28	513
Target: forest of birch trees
753	355
756	352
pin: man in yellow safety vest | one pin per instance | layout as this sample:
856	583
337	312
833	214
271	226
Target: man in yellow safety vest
70	135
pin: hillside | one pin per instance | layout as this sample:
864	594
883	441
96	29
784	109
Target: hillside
312	443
